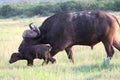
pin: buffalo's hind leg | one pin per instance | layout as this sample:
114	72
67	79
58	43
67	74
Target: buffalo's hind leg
109	48
116	43
70	53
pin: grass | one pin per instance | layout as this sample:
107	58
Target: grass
88	63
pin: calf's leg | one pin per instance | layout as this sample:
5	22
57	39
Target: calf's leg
45	61
52	53
48	58
30	62
52	60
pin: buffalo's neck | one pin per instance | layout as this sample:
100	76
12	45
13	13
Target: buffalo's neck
43	38
44	41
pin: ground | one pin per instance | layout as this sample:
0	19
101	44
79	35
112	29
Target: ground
88	63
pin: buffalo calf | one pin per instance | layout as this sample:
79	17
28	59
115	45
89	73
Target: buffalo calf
29	53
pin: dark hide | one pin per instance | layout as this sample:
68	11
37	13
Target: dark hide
31	52
63	30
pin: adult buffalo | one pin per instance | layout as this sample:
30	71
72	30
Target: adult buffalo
63	30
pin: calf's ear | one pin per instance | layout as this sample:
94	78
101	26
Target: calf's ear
18	55
49	47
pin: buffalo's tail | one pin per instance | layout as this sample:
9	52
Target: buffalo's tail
116	41
116	20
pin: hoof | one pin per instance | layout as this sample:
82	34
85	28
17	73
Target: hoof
29	64
53	60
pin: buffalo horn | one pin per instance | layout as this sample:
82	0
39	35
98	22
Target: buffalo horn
34	28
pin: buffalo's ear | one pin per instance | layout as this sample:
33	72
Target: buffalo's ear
29	34
33	32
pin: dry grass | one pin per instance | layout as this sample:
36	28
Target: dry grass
88	63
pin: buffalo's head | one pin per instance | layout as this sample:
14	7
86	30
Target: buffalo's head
32	35
33	32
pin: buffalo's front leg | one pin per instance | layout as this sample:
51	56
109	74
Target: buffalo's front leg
54	51
70	53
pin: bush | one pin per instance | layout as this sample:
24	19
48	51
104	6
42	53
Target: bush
116	5
50	8
8	11
42	10
68	6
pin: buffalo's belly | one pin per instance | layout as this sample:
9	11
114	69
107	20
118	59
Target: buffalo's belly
89	40
88	43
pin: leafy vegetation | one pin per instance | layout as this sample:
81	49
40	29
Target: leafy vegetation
48	8
89	64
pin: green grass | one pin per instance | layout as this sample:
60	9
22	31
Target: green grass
88	63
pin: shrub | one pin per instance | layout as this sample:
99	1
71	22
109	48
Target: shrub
42	9
67	6
8	11
116	5
47	9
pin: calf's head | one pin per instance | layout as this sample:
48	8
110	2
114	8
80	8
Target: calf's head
15	57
